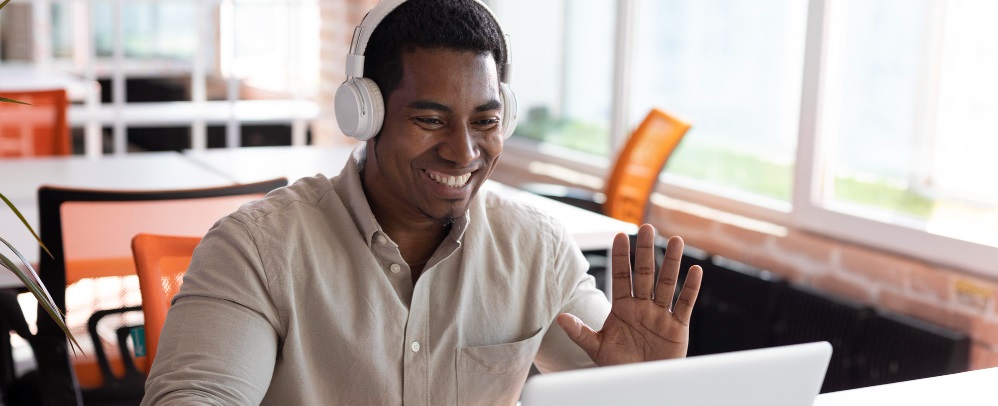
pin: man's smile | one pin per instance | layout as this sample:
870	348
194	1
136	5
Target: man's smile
451	181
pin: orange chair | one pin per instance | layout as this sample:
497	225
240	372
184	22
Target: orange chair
633	177
37	129
639	163
161	262
634	173
89	233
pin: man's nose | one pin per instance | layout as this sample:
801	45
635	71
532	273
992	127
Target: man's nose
460	147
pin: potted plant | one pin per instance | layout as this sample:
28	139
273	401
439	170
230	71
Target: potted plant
29	277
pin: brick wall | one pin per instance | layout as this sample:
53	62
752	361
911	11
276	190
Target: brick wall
937	294
16	38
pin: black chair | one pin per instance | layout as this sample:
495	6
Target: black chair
735	305
894	348
806	315
89	233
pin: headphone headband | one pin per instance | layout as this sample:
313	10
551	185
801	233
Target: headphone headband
362	34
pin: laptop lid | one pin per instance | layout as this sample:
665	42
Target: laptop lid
778	376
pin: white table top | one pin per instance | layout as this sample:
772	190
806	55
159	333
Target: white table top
145	171
183	113
245	165
26	77
964	389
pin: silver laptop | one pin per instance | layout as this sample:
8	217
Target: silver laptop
778	376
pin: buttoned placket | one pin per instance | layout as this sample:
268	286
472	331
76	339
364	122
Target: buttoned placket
416	363
415	358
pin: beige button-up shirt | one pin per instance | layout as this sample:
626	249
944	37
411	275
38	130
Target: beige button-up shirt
301	299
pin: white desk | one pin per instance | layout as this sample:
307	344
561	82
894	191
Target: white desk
246	165
182	114
21	178
964	389
591	231
27	77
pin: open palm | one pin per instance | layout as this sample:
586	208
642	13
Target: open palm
641	325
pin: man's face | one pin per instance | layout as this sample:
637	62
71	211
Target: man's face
441	137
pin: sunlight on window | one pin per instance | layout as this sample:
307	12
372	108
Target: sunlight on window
733	69
273	46
908	122
963	160
563	64
150	29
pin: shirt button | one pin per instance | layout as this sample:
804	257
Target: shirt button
382	240
395	268
415	346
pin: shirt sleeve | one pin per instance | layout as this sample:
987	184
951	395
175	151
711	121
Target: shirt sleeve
220	341
579	296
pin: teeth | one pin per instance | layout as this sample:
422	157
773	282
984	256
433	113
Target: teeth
452	181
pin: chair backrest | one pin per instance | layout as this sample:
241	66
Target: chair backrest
639	163
89	233
38	129
161	262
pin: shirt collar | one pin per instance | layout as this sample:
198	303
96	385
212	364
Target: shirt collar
351	192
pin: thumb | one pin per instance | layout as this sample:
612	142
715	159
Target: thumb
580	333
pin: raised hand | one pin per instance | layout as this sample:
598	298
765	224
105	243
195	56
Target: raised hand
641	326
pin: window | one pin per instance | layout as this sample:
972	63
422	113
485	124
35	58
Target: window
908	117
149	29
183	73
874	104
733	69
872	121
562	70
272	46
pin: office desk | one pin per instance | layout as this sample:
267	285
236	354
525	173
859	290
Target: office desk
27	77
142	171
246	165
964	389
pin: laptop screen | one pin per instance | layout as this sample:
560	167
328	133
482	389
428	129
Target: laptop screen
778	376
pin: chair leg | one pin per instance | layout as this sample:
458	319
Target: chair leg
55	373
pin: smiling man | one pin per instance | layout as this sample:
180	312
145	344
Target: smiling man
399	281
445	140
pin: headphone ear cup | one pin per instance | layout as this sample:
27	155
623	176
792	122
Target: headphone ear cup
508	110
359	107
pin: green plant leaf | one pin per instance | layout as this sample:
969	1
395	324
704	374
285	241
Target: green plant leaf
18	213
37	289
6	100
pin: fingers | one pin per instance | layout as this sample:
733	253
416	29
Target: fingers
579	333
620	266
666	287
644	263
684	306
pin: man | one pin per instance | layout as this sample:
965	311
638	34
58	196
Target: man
397	281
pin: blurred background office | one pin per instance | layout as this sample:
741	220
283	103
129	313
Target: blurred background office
847	146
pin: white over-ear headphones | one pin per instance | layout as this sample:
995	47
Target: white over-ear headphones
360	107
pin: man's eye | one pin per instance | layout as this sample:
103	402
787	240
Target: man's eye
429	121
487	123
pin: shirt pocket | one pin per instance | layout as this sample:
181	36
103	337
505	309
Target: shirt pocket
494	374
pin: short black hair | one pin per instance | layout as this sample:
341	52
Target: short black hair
462	25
